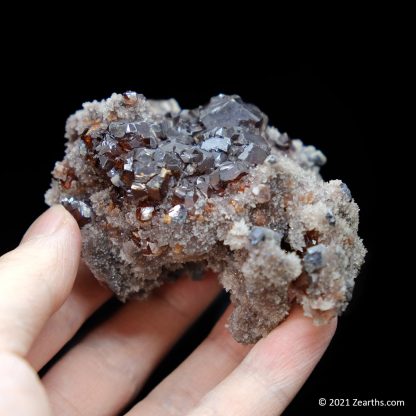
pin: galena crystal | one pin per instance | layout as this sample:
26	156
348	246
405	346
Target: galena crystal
156	189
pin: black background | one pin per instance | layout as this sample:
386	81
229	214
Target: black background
333	103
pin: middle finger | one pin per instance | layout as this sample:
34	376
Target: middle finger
105	370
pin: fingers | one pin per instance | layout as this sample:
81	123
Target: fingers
85	298
273	371
21	392
208	365
36	277
103	372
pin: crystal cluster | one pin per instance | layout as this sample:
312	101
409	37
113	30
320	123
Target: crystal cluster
158	190
181	158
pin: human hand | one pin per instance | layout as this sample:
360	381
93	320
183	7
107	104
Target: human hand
45	296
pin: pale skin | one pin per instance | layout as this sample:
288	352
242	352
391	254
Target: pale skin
46	294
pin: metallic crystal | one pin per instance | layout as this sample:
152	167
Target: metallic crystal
178	213
313	259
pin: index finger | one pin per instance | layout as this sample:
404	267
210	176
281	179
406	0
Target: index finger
36	277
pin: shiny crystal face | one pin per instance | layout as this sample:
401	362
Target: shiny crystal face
184	156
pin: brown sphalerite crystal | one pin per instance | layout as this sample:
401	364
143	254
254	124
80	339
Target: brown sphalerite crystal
157	189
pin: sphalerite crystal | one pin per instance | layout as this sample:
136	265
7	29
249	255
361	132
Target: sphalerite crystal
157	189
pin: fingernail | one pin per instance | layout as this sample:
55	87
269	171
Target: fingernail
48	223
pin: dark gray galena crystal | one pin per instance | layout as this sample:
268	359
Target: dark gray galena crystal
156	189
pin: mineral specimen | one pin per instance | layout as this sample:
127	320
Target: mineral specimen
157	189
